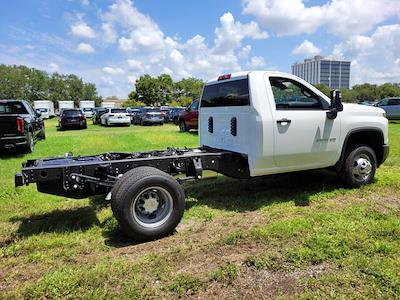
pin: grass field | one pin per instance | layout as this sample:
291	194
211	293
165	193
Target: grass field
289	236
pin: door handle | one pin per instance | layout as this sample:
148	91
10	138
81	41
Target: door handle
284	121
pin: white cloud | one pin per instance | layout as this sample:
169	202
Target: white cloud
256	62
375	58
132	79
151	51
230	34
307	49
81	29
244	52
106	81
135	65
85	2
53	67
341	17
85	48
109	34
113	71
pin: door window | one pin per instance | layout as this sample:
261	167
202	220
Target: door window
194	106
394	102
290	94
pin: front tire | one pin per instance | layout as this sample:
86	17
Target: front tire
147	203
359	166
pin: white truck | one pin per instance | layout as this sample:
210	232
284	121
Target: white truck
64	105
45	107
87	107
251	124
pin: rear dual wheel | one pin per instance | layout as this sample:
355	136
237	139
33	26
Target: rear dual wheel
147	203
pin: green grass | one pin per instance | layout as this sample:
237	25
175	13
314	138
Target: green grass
54	247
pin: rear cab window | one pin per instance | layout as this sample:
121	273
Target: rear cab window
13	108
226	93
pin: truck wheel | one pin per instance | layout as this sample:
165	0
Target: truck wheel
359	166
43	134
147	203
30	143
182	126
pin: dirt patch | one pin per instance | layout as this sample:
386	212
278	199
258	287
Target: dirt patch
261	284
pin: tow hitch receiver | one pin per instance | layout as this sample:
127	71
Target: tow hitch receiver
19	179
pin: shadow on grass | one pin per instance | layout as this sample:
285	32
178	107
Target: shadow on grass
222	193
252	194
58	221
17	152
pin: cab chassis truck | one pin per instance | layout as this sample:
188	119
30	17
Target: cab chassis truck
251	124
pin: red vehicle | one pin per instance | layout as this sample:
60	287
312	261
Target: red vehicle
189	118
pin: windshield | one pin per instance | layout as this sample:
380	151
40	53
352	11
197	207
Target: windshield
12	108
230	93
42	109
118	110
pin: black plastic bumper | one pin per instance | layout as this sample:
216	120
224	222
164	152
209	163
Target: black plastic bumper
13	141
385	153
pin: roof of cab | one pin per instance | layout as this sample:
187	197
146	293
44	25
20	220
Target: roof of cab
243	74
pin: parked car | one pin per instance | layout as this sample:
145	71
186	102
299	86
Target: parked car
115	116
391	106
149	115
72	118
173	115
132	112
97	113
44	113
20	125
189	118
165	112
88	111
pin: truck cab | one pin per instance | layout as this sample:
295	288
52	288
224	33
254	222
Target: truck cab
281	123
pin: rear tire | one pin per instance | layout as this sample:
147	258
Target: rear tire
359	166
182	126
30	143
43	134
147	203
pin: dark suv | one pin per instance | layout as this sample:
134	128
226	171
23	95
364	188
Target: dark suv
97	113
189	118
72	118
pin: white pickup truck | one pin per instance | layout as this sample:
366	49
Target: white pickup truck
251	124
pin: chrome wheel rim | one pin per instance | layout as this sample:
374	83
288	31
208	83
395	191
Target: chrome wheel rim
152	207
362	167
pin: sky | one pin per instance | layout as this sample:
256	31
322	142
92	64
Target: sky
113	42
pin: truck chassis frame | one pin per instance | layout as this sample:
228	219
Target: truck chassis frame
84	176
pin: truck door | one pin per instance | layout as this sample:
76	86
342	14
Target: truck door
192	117
303	136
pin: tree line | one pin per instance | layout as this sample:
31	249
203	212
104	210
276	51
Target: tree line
365	91
21	82
162	90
